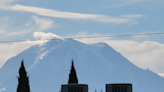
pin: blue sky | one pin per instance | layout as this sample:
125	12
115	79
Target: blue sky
35	19
129	16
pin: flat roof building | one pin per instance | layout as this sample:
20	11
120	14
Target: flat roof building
122	87
74	88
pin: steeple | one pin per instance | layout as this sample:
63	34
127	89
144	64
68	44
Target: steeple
23	80
72	75
73	85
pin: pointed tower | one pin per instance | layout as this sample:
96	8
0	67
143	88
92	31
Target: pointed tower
73	85
23	80
72	75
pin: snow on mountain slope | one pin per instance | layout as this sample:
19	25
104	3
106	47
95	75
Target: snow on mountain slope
97	64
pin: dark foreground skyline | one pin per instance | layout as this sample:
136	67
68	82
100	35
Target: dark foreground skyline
72	86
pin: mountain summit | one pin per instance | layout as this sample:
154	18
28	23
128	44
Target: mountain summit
48	66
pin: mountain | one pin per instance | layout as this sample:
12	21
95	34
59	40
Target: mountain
48	66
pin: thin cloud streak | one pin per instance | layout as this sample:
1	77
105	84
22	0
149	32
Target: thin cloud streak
71	15
3	32
123	3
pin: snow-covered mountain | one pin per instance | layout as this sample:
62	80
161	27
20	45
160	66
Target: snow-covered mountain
48	66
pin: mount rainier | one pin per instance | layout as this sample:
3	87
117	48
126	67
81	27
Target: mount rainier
48	66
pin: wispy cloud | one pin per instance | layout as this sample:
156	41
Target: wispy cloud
6	1
8	50
42	35
134	1
2	89
145	54
43	23
132	16
40	24
71	15
3	32
34	24
88	40
161	74
122	3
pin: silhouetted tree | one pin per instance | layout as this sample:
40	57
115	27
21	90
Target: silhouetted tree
23	82
95	90
72	75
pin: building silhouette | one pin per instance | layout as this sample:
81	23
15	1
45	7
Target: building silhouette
74	88
123	87
73	85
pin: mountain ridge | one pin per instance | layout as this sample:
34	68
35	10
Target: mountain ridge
48	66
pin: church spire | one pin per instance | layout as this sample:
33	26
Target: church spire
72	75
